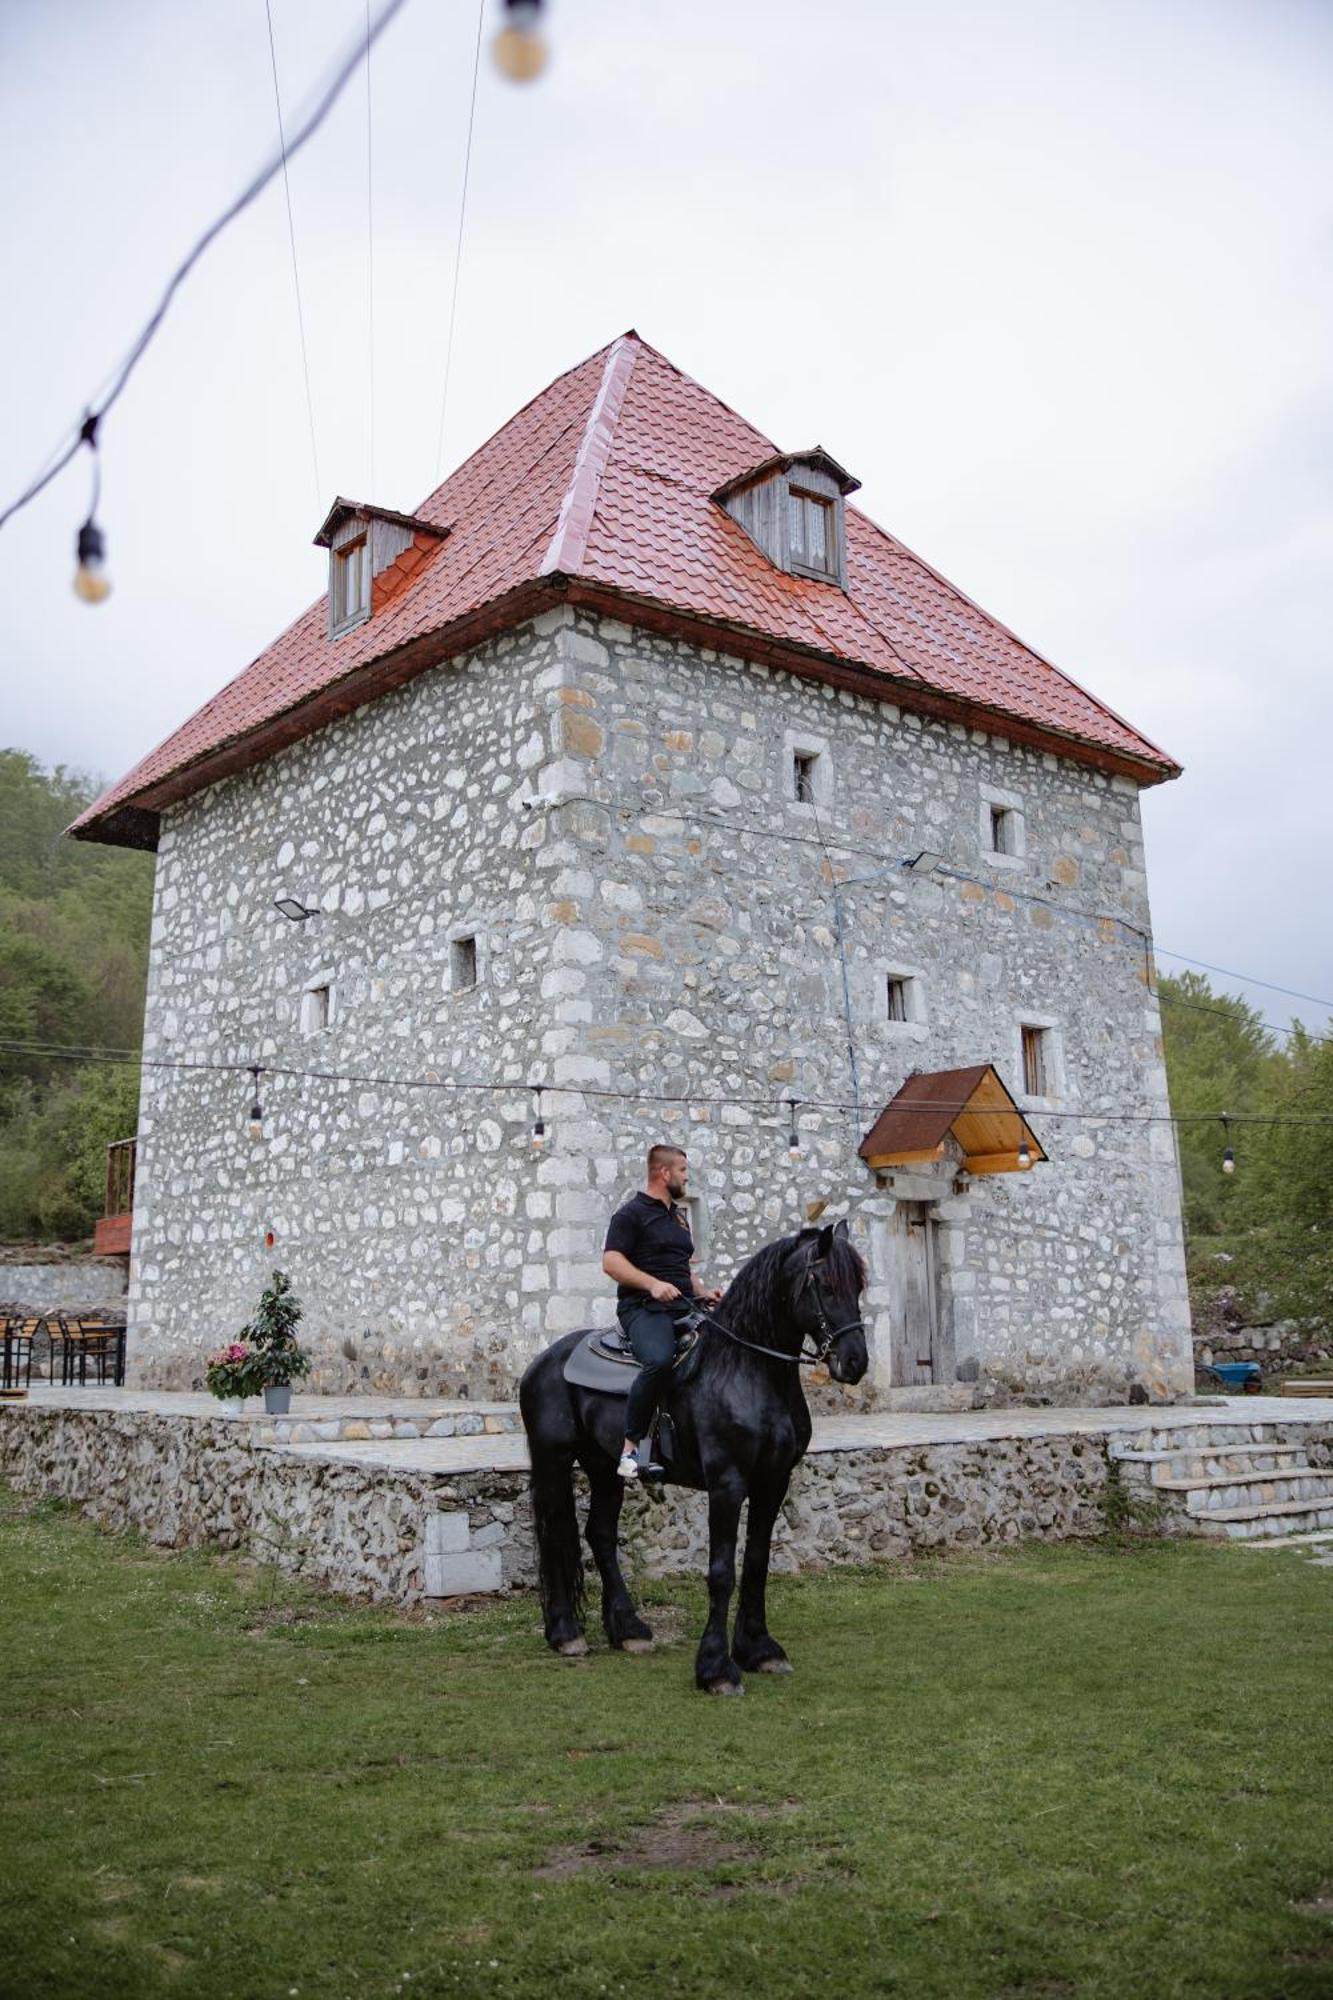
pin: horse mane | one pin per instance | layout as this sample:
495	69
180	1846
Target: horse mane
750	1302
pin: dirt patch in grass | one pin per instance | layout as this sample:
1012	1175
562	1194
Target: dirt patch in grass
1318	1905
684	1837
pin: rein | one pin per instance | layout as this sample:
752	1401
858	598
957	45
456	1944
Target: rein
802	1359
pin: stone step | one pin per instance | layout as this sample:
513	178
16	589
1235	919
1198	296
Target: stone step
1210	1496
1294	1517
1322	1538
1195	1437
1161	1466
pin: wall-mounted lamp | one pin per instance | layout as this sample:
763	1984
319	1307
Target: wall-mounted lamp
294	910
924	863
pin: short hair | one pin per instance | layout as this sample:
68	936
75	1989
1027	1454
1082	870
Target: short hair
659	1155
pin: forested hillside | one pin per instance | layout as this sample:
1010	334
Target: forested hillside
74	925
73	956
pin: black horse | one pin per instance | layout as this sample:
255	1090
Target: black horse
740	1425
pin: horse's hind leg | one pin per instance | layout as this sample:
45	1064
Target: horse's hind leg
559	1557
753	1645
624	1627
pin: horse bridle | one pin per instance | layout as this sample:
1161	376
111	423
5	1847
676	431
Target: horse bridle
822	1343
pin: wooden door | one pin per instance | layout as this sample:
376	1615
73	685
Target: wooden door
916	1318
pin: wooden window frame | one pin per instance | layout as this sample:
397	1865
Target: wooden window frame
897	996
343	617
803	764
829	571
1035	1043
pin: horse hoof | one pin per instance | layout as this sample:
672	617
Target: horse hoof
726	1687
636	1645
775	1667
572	1649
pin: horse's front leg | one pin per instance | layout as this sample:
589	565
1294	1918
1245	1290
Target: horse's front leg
714	1668
754	1647
622	1623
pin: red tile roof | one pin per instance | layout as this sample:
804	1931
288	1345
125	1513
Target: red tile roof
599	492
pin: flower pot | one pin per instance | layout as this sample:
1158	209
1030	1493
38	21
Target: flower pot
278	1401
232	1406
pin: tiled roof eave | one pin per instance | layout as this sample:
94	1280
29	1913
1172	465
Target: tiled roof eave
877	683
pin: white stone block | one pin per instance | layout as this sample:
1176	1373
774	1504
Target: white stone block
456	1576
447	1534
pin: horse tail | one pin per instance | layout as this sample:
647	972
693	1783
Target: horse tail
559	1551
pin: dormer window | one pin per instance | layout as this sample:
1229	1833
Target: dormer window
374	555
794	509
812	532
351	584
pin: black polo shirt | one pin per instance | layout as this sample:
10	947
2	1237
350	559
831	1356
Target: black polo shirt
656	1239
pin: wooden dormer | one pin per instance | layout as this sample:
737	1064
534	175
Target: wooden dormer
373	555
794	509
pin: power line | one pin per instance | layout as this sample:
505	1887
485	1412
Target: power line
305	130
458	246
296	274
1245	978
370	248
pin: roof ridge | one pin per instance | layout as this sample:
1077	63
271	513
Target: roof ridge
568	544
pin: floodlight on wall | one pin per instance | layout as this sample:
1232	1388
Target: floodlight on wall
293	909
924	863
256	1108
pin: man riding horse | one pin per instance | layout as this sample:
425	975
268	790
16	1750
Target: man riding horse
650	1253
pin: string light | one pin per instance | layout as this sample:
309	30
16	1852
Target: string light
538	1125
520	49
256	1109
793	1136
1024	1156
91	584
1228	1155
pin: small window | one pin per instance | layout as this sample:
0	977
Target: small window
316	1009
1036	1061
811	530
351	583
803	776
1003	830
463	964
896	998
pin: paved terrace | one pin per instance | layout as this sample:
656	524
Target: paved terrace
394	1433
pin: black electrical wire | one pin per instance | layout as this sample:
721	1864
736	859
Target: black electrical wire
306	130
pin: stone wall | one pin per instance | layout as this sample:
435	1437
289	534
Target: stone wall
1224	1332
388	1534
71	1284
610	815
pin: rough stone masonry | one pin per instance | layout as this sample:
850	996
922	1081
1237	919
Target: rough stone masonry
574	858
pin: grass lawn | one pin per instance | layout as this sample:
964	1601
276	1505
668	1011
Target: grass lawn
1068	1771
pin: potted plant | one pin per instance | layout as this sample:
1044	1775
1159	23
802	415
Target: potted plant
280	1359
231	1375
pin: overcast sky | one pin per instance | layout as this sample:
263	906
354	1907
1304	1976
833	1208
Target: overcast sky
1055	282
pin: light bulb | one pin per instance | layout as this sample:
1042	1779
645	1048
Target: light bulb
538	1135
256	1121
91	582
1228	1161
520	50
1025	1156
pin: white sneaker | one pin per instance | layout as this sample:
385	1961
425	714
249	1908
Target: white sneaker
628	1467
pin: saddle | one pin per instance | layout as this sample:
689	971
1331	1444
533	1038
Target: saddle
603	1358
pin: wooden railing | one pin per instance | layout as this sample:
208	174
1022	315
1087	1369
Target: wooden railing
111	1237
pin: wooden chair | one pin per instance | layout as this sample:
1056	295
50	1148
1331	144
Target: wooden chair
93	1341
19	1335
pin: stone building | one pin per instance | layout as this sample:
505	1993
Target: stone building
640	784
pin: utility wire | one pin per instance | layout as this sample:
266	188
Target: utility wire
309	125
296	274
1245	978
370	248
458	245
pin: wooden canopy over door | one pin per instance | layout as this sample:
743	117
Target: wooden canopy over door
971	1104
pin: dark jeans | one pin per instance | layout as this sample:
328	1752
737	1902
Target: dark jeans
652	1334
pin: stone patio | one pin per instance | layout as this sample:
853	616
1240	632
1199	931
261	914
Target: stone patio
359	1494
